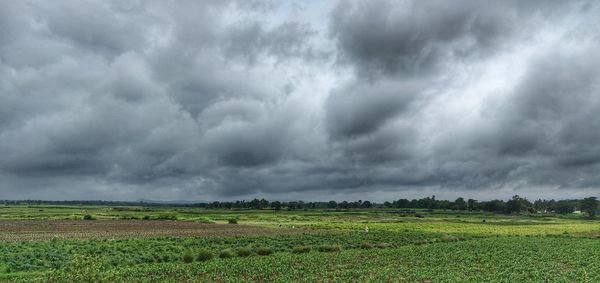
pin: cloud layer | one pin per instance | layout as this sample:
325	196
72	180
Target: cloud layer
298	100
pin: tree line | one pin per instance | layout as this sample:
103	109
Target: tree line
514	205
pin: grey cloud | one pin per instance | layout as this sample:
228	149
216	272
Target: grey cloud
555	112
235	99
284	42
415	37
97	27
360	108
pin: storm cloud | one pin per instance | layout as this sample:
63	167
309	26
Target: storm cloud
313	100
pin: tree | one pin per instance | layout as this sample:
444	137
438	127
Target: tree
332	204
276	205
589	206
460	204
564	207
367	204
402	203
517	204
471	204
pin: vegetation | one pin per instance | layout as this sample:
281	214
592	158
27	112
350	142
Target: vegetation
590	206
281	245
188	257
204	255
244	252
516	204
227	253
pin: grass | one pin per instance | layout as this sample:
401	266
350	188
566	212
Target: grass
327	245
523	259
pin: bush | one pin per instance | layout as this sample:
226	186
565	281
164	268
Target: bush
166	217
264	251
204	255
448	238
226	254
383	245
88	217
232	221
243	252
329	248
301	249
188	257
366	245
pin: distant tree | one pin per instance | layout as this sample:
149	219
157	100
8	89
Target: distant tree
460	204
540	205
263	203
517	204
344	205
402	203
589	206
255	203
471	204
367	204
564	207
332	204
494	206
276	205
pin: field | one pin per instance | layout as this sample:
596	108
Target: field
146	244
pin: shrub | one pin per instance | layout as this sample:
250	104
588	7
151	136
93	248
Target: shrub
226	253
188	257
264	251
329	248
166	217
232	221
243	252
88	217
448	238
204	255
366	245
301	249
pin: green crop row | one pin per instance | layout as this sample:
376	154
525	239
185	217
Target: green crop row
503	259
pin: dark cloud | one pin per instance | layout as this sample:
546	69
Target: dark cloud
354	99
416	37
360	108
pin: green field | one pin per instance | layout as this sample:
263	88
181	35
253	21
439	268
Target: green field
147	244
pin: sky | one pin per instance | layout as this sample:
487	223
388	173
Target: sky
299	100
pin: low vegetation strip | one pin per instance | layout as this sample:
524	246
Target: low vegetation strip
504	259
36	230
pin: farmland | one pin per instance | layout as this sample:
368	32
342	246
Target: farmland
141	244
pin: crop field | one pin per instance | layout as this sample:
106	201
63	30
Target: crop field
36	230
149	244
